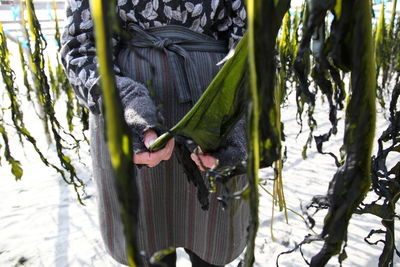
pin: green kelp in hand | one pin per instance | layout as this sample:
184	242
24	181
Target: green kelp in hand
211	119
215	114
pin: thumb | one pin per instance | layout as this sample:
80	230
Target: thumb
149	137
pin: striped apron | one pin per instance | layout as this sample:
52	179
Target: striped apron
177	65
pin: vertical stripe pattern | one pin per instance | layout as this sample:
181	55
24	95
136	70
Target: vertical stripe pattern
170	214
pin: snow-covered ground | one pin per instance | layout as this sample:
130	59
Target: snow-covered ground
42	224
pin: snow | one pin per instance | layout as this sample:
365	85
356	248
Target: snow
42	224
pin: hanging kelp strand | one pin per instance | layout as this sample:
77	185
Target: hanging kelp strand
253	117
16	169
302	66
381	54
15	110
393	45
265	19
266	29
285	57
323	72
350	48
31	88
84	118
302	62
294	47
24	66
392	20
386	184
8	76
24	25
117	131
294	39
8	79
57	28
72	106
43	89
321	76
326	76
53	82
37	64
352	180
62	80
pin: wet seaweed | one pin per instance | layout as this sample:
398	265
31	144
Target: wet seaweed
17	116
220	107
46	101
62	83
24	66
326	75
16	168
117	131
285	57
386	185
350	48
381	55
264	134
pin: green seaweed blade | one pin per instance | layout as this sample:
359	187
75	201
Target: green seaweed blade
352	180
117	132
219	108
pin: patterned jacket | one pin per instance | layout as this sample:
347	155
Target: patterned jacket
221	19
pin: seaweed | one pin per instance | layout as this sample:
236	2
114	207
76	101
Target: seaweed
264	133
211	120
46	101
349	47
386	184
62	82
16	168
117	131
29	89
285	57
219	108
381	55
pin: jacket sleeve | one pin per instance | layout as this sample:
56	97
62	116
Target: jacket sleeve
78	55
234	149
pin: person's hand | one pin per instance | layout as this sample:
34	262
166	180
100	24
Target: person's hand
203	160
152	159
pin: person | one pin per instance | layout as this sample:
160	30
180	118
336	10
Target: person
161	71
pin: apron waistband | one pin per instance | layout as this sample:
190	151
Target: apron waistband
175	41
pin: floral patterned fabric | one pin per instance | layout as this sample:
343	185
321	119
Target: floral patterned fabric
222	19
